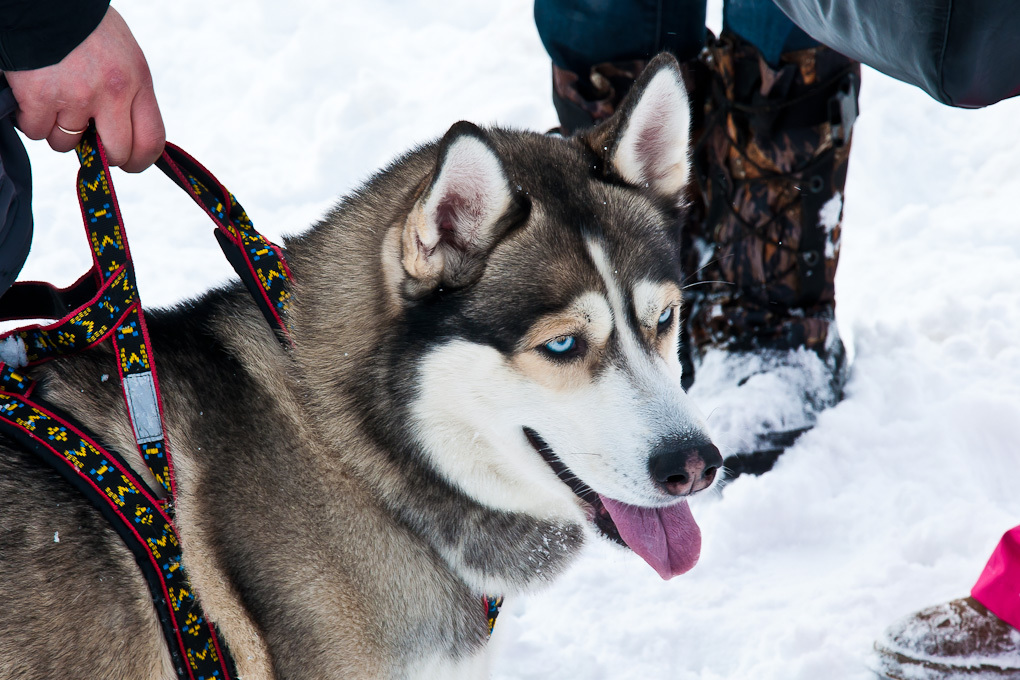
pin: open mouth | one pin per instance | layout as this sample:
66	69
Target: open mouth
667	538
597	513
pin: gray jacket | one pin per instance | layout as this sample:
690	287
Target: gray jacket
961	53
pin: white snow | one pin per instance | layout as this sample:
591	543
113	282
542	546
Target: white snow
891	503
828	217
747	393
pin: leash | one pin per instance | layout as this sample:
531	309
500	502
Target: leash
258	261
104	305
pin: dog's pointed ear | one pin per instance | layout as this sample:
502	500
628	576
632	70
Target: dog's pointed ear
647	141
460	216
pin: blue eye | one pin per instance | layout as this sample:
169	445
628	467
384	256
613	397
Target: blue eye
562	344
666	315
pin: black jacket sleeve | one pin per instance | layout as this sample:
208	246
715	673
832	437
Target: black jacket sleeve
961	53
15	194
37	33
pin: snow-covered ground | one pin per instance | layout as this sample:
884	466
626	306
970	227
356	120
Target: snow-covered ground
892	503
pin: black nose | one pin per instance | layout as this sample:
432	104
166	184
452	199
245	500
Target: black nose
681	467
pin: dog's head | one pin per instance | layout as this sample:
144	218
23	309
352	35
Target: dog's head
540	284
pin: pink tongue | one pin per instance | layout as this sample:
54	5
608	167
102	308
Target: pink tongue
666	538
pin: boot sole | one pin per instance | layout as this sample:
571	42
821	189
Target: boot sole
897	666
762	460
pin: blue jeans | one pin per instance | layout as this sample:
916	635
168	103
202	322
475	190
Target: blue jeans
581	33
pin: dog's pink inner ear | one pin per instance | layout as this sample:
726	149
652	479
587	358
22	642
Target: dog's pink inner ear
652	149
456	219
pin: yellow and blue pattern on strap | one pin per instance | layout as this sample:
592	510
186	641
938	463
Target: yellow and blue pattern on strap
144	522
138	517
87	326
99	208
118	309
105	305
262	255
492	606
258	261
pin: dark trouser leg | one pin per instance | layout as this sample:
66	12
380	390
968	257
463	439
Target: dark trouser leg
762	24
581	33
598	47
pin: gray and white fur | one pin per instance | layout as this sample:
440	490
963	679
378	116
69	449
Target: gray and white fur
344	504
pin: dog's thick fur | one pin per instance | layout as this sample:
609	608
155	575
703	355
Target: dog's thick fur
344	504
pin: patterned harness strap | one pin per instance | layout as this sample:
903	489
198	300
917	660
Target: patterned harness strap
142	521
104	305
113	312
492	606
256	260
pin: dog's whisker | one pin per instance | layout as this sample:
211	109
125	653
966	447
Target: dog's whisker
697	271
703	283
582	485
711	261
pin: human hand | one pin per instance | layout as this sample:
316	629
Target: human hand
105	78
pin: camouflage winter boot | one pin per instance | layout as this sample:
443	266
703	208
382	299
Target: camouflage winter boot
771	164
583	99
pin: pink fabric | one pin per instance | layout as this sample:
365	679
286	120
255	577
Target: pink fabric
998	587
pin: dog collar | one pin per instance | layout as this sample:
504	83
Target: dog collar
492	606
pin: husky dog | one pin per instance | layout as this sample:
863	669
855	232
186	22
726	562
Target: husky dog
484	375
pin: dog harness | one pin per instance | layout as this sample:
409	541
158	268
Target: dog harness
104	305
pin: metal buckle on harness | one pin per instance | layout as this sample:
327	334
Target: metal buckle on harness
143	407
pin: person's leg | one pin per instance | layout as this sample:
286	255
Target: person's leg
764	25
771	165
598	48
998	587
578	34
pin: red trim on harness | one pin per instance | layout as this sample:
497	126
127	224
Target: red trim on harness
265	273
127	472
60	322
226	227
115	311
